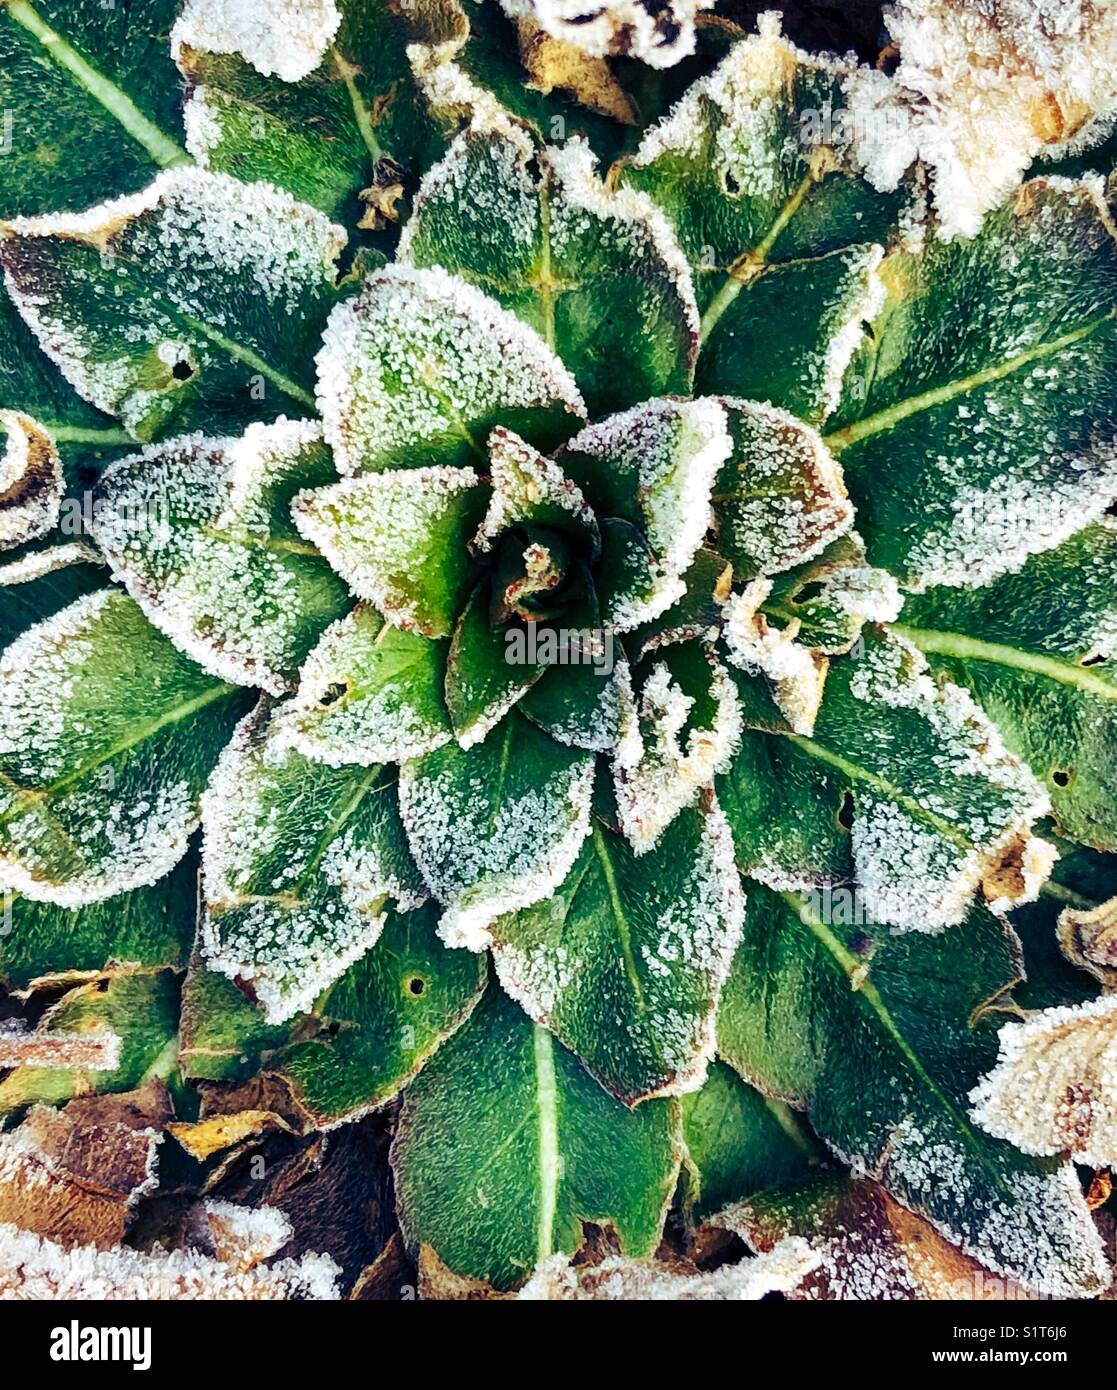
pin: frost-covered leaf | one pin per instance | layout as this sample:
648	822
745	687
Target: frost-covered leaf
868	1247
832	597
34	1268
595	271
779	1271
903	788
399	540
368	693
483	682
196	303
107	737
506	1145
795	676
1037	649
687	728
300	860
421	366
624	962
199	532
78	1175
224	1034
31	481
318	99
739	1142
779	499
138	1008
1088	938
529	489
149	926
495	827
979	90
1054	1087
878	1038
585	705
381	1022
92	98
977	425
780	231
651	468
657	34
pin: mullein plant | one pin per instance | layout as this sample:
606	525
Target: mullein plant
629	604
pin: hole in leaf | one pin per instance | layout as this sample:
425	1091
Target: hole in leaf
332	694
416	985
1095	660
808	591
1061	776
845	812
732	184
182	371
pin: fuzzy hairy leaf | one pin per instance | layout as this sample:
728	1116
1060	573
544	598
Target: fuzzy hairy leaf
902	787
179	349
1035	648
506	1145
93	100
976	426
107	737
624	962
873	1038
594	271
200	534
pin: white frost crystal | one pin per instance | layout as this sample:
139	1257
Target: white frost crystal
30	481
1054	1088
982	88
659	32
287	38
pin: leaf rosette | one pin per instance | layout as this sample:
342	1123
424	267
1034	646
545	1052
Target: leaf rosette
604	575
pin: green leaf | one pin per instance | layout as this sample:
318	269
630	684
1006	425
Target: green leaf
653	468
879	1038
506	1146
224	1034
530	490
738	1142
778	227
495	827
780	498
421	365
138	1008
903	787
1034	648
625	960
832	597
37	582
594	271
93	97
400	540
688	728
115	298
383	1020
151	926
325	115
200	534
300	861
107	737
483	681
976	425
368	693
